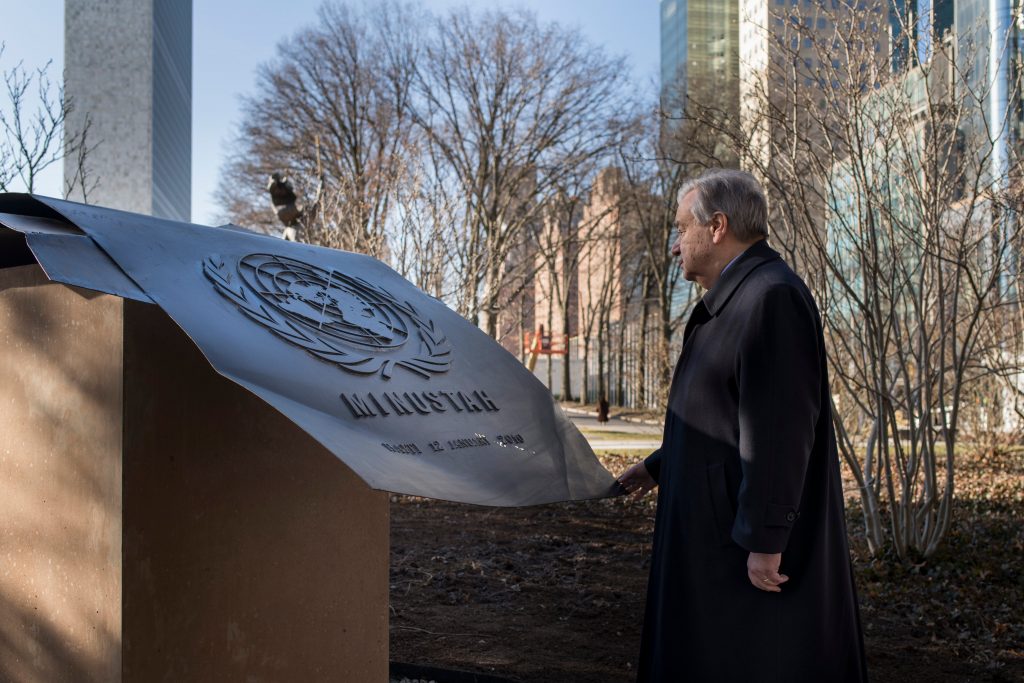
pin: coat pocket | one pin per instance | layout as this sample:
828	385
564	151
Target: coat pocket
721	505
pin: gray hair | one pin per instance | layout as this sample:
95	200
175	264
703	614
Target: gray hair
737	194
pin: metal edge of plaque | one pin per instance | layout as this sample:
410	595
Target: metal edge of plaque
63	250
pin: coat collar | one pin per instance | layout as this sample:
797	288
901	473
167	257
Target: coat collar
756	255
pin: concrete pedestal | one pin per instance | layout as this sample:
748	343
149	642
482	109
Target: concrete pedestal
158	522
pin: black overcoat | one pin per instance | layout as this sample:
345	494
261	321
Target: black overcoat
748	462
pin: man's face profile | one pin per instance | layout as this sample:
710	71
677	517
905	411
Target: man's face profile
693	241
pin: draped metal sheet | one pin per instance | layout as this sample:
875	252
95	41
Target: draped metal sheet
65	253
406	392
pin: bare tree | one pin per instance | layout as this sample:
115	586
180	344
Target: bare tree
652	181
332	113
442	146
884	193
511	107
602	278
613	242
34	135
424	234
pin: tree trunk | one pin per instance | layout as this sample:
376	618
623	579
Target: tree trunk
566	376
620	394
585	377
641	360
551	377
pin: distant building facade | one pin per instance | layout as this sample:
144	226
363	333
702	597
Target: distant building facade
128	72
791	46
589	296
556	294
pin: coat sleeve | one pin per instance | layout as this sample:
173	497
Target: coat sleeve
653	464
779	386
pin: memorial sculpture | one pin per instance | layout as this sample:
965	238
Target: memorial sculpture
411	396
176	400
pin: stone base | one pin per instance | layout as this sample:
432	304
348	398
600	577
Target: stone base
161	522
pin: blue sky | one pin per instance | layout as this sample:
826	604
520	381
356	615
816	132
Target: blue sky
232	37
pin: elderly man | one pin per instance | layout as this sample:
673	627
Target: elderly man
750	574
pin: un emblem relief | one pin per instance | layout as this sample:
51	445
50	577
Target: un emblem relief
339	318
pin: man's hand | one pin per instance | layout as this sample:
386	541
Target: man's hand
637	480
763	572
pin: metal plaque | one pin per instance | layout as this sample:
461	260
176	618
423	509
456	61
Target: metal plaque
406	392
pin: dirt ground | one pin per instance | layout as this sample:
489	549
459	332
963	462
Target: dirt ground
555	593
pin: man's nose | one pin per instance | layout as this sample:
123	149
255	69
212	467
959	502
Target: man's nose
675	248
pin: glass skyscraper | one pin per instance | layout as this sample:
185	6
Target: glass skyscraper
673	43
699	62
700	52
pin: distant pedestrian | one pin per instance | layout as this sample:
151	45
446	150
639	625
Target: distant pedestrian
750	574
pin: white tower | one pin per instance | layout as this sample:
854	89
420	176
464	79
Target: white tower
128	71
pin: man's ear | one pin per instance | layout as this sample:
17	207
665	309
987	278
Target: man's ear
719	227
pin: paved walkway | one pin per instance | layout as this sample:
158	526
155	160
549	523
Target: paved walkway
589	423
618	445
647	437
